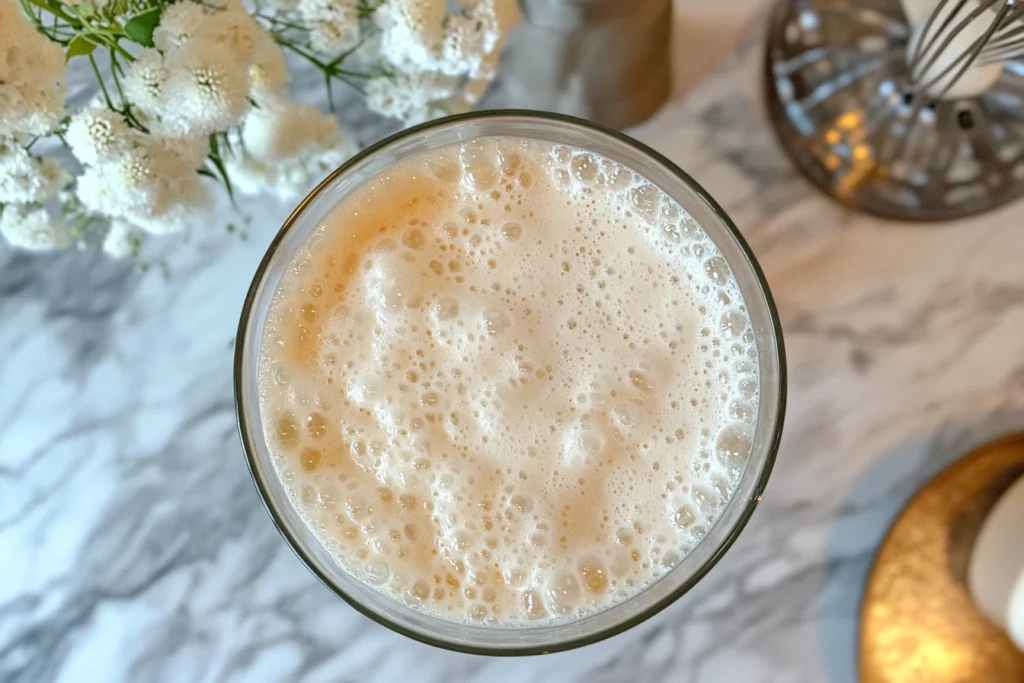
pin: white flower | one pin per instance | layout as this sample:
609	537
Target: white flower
145	81
122	239
206	89
56	176
95	192
280	129
97	133
33	229
443	60
268	71
235	30
24	179
287	147
149	185
33	76
333	24
412	32
177	218
412	97
180	24
193	149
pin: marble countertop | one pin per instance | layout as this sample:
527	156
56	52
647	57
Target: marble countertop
133	545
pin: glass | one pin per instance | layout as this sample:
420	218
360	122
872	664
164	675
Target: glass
558	129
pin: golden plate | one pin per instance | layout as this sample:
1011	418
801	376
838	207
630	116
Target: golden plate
917	621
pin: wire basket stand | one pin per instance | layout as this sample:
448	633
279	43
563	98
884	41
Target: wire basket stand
911	111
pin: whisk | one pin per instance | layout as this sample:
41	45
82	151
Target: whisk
908	109
962	40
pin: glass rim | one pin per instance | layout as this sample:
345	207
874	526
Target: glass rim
748	506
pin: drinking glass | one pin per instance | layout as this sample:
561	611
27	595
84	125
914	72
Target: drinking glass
559	129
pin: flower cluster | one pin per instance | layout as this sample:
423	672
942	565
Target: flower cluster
32	86
196	92
433	60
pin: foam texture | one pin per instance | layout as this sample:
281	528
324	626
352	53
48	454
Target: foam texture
509	382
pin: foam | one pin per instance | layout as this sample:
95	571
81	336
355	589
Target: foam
509	382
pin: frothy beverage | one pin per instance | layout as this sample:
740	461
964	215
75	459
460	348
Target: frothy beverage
509	382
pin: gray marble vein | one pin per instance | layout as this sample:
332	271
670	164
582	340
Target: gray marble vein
133	546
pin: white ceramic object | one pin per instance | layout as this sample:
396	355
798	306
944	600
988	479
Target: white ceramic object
995	576
939	66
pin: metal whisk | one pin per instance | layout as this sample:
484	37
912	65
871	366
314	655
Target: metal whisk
909	111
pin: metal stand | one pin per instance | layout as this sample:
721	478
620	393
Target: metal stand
858	124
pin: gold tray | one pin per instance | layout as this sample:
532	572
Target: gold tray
917	621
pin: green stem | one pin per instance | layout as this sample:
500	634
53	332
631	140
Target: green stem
280	22
114	66
54	9
294	48
103	87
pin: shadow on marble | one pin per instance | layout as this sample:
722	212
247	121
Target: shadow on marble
882	491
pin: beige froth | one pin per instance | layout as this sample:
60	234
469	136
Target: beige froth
509	381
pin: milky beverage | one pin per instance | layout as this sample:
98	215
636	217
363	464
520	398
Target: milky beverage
509	382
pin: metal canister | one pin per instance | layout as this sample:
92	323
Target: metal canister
603	60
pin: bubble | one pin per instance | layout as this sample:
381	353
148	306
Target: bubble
672	232
642	381
626	415
748	388
316	425
522	503
447	308
495	320
563	593
385	246
741	410
444	170
430	399
733	446
733	324
376	572
685	517
413	239
478	612
584	168
593	574
308	312
509	162
717	270
481	176
511	231
287	429
645	198
309	496
533	605
421	590
592	442
616	177
310	458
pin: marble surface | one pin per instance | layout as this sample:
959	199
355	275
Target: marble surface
133	545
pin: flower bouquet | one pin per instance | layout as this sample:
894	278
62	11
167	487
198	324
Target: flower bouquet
195	95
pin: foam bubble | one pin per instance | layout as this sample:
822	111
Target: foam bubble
519	386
